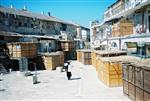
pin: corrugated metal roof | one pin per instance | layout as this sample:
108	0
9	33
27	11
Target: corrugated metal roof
32	15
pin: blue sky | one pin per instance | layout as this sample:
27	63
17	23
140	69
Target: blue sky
79	11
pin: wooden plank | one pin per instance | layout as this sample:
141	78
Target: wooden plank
146	96
50	60
125	71
132	74
132	91
122	28
125	87
84	56
110	73
139	94
139	77
147	80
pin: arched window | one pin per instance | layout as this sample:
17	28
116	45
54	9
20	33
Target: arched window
113	44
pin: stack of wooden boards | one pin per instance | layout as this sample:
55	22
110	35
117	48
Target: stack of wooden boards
122	28
52	60
108	66
67	45
22	49
110	69
110	53
136	80
84	56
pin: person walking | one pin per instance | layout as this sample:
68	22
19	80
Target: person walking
64	67
68	72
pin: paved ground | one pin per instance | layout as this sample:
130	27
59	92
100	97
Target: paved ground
54	85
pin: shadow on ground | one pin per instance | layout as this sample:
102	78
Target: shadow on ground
75	78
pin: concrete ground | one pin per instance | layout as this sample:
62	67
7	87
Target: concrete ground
55	86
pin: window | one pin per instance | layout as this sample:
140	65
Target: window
31	25
25	24
43	26
16	23
12	16
17	17
20	24
64	27
114	44
6	22
6	15
50	45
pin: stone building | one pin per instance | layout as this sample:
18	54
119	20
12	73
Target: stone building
28	23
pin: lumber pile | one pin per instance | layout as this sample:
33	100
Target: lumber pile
110	69
93	58
79	56
84	56
122	28
136	80
52	60
100	53
67	45
22	49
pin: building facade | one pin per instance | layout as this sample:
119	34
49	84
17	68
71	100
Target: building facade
28	23
124	21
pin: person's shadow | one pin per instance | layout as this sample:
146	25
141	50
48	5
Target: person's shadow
75	78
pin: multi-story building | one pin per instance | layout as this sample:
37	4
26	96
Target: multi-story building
26	22
124	21
20	23
19	27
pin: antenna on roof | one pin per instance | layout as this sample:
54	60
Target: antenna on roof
11	6
25	8
49	13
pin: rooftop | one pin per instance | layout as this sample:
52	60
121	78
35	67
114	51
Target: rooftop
27	13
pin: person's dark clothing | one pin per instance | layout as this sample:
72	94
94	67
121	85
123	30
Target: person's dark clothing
69	75
66	68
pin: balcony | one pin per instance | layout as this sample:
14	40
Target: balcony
124	9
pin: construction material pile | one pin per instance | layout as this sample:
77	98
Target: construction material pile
97	54
67	45
22	49
108	65
52	60
122	28
136	80
84	56
110	69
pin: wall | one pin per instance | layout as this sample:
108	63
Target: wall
47	46
71	32
78	32
85	35
27	25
